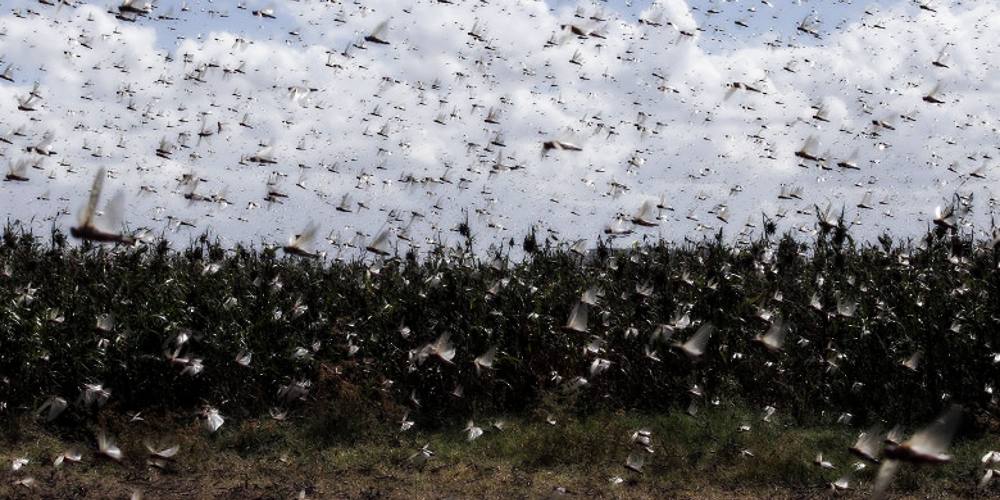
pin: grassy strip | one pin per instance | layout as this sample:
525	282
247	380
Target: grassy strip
704	456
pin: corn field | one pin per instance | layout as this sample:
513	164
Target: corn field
888	330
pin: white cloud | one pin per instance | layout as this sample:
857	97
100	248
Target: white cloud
700	146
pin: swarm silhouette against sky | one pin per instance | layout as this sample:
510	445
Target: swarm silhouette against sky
699	109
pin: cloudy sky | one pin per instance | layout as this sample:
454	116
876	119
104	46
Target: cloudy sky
698	107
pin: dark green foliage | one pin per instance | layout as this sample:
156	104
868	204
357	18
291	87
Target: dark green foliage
907	298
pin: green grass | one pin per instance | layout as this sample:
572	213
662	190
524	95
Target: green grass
694	456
